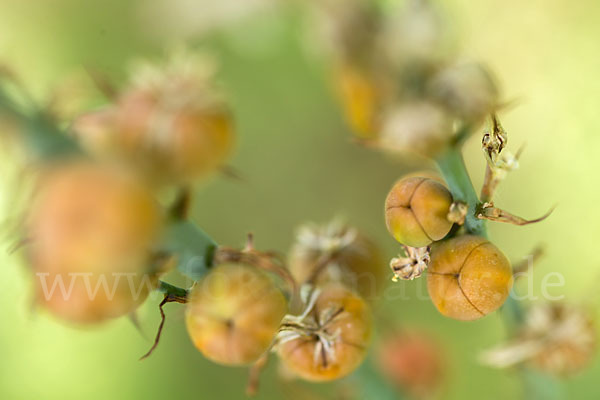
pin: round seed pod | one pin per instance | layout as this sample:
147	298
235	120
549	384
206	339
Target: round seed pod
234	313
418	127
352	258
360	98
96	132
175	141
416	211
468	277
331	339
413	361
171	123
92	229
467	90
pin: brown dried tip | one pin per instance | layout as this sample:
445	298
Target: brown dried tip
489	212
168	299
265	260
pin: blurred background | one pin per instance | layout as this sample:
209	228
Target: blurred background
299	164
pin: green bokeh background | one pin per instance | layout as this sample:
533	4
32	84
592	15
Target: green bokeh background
299	165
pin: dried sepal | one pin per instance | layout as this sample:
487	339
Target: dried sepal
336	252
265	260
458	212
555	337
329	339
491	213
499	162
412	265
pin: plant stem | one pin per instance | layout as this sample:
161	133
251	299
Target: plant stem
453	169
172	291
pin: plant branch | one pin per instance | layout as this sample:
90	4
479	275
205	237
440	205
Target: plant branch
453	169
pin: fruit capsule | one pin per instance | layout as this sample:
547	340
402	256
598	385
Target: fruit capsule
468	91
353	259
417	127
330	339
92	229
171	123
416	211
361	100
180	142
413	361
468	277
234	313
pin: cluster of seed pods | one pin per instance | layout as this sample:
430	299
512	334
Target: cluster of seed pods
96	221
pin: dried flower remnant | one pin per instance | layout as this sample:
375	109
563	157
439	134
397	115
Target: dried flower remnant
499	163
458	212
557	338
337	253
171	122
412	265
329	339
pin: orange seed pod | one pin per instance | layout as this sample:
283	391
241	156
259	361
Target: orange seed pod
330	339
413	361
361	100
92	229
416	211
234	313
468	277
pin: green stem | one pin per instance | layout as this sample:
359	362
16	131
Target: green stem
171	290
452	166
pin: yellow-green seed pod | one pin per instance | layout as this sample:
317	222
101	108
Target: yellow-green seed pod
416	211
234	314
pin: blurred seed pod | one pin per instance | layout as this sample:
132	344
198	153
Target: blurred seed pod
93	230
171	123
234	313
97	132
361	100
347	29
338	253
467	90
468	277
416	211
556	338
330	339
417	127
413	361
416	37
